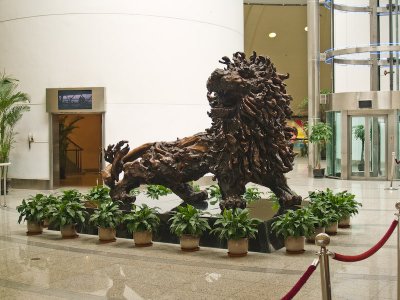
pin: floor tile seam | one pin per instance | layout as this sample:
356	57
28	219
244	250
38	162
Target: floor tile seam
369	277
66	294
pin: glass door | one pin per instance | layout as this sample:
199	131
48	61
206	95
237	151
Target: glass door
368	144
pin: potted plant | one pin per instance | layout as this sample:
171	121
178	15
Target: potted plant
348	207
359	134
252	194
71	195
188	224
13	105
67	214
328	201
48	202
321	133
318	209
215	194
32	211
236	226
96	196
294	226
142	221
107	217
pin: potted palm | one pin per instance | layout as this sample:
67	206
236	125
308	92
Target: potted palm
107	217
294	226
13	105
67	214
32	211
96	196
359	134
188	224
321	133
142	221
236	226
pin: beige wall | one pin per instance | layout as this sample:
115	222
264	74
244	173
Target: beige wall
288	50
88	136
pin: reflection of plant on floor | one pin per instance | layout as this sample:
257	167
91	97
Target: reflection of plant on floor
64	130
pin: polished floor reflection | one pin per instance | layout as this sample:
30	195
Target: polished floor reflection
46	267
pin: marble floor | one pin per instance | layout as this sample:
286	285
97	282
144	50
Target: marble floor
47	267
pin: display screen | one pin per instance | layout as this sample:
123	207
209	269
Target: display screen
74	99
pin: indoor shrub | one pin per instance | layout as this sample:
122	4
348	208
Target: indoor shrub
252	194
32	209
142	218
97	195
67	212
107	215
295	223
188	220
214	193
235	224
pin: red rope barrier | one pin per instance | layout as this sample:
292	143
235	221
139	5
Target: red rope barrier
373	250
299	284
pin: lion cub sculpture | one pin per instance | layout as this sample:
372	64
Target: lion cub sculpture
247	142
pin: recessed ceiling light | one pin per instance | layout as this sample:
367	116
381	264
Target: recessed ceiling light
306	28
272	35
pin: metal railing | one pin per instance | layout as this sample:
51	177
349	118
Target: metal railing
76	154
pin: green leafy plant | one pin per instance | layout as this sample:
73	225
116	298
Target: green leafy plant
188	220
295	223
322	214
195	186
107	215
252	194
32	209
134	192
13	105
235	224
97	195
142	218
275	201
321	133
71	196
214	193
155	191
359	134
67	212
348	206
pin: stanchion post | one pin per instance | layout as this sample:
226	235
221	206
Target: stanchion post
322	240
398	249
391	188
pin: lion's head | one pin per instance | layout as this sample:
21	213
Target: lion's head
249	108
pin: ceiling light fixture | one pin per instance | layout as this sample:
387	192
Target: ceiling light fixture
272	35
306	28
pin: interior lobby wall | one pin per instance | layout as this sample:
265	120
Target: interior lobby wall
152	57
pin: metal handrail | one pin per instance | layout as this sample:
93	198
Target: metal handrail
78	154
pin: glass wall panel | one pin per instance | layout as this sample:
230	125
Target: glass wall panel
357	144
333	149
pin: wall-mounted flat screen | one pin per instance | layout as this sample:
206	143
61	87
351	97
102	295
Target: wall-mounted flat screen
74	99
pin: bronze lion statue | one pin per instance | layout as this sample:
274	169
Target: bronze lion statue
248	141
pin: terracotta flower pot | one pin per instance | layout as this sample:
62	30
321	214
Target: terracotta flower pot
331	229
318	230
33	228
345	222
238	248
68	231
107	234
189	242
143	238
295	244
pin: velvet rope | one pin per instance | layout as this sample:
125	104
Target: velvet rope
373	250
299	284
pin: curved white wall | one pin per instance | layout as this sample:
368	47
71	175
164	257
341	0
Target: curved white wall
153	58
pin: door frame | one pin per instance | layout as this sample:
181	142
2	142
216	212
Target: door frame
391	140
54	145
